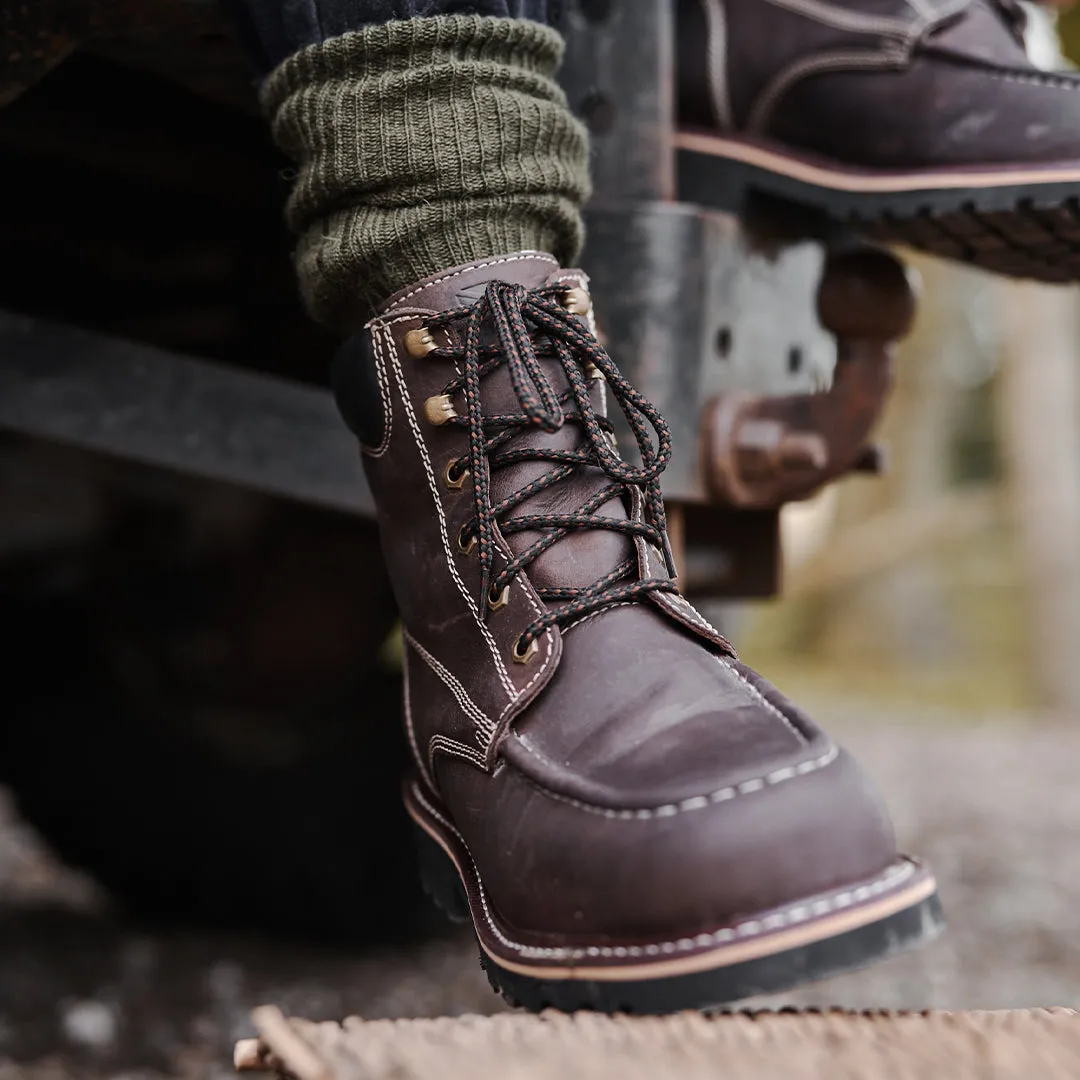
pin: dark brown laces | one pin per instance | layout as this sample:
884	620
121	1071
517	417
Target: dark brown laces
528	325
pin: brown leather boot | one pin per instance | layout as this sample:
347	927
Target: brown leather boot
916	121
632	819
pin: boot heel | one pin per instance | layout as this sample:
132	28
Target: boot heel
439	878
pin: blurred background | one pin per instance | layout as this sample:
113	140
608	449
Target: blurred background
191	761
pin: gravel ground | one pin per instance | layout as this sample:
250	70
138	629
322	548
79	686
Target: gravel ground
994	807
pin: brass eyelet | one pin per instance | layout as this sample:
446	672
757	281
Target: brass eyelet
523	654
454	483
465	544
418	343
498	599
439	410
577	301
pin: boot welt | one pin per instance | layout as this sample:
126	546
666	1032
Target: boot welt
1018	220
818	937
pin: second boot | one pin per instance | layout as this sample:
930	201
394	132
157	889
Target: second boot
922	122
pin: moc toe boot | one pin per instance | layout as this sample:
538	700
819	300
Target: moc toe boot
631	819
916	121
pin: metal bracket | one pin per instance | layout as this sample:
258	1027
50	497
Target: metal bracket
764	451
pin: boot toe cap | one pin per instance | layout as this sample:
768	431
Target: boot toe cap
752	844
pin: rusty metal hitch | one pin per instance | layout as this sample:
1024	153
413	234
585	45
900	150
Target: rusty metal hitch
761	452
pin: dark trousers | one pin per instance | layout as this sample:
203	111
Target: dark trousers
275	29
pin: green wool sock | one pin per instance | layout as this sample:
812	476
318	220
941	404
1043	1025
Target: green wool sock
421	145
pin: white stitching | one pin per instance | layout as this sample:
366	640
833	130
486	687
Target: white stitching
384	391
399	378
789	916
693	614
550	635
686	610
532	601
485	725
1052	80
906	33
690	612
603	611
451	747
522	257
769	99
695	802
577	276
756	693
514	694
409	727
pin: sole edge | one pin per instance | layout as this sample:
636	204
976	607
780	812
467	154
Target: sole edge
714	977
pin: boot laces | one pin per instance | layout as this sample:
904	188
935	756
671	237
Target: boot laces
530	325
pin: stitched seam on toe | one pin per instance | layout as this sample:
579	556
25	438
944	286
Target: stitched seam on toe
694	802
1038	78
792	915
763	700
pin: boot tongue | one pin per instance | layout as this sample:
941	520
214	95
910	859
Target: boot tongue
464	285
583	557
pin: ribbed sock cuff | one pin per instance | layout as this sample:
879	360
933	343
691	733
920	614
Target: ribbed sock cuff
421	145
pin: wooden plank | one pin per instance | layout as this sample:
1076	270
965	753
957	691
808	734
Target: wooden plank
1007	1045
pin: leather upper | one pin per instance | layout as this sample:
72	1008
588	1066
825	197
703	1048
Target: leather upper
633	779
878	83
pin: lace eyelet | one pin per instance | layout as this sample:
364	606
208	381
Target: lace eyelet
498	598
465	543
577	301
418	343
452	481
522	654
439	410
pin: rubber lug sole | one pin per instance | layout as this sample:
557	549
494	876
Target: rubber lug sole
715	987
1018	222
